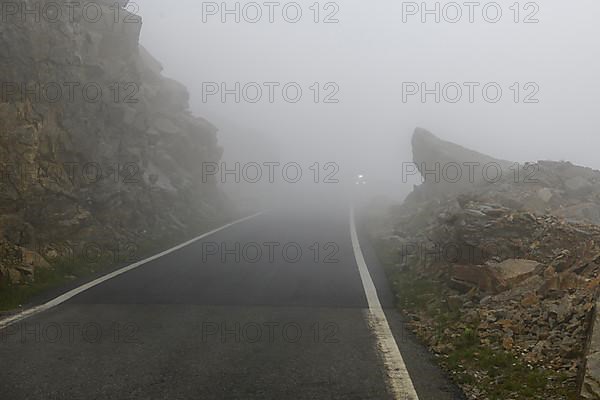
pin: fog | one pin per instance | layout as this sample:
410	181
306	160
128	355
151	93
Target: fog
368	55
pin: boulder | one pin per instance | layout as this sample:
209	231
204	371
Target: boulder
446	158
514	271
557	187
466	277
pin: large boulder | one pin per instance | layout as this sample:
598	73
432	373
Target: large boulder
493	277
446	166
449	170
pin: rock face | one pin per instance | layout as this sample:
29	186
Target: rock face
519	257
455	166
95	144
559	188
591	382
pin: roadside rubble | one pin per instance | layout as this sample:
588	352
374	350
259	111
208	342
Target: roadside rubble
517	262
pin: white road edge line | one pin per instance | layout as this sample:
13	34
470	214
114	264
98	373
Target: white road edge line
399	380
72	293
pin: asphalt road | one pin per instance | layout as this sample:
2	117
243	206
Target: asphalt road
271	308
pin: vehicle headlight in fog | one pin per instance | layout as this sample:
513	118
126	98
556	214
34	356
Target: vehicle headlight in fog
361	180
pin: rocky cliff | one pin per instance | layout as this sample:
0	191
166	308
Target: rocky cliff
515	260
96	146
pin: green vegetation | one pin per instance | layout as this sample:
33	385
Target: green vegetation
72	268
497	374
502	375
77	267
13	296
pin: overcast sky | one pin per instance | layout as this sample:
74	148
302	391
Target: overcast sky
369	54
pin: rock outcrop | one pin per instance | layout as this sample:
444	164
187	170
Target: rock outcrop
518	256
440	161
591	375
96	146
558	188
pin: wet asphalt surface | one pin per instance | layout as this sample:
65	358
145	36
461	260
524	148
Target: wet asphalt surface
271	308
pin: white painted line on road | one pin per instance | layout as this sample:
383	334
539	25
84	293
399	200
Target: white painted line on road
72	293
398	377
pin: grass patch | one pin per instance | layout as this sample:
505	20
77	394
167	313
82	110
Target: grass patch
501	375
